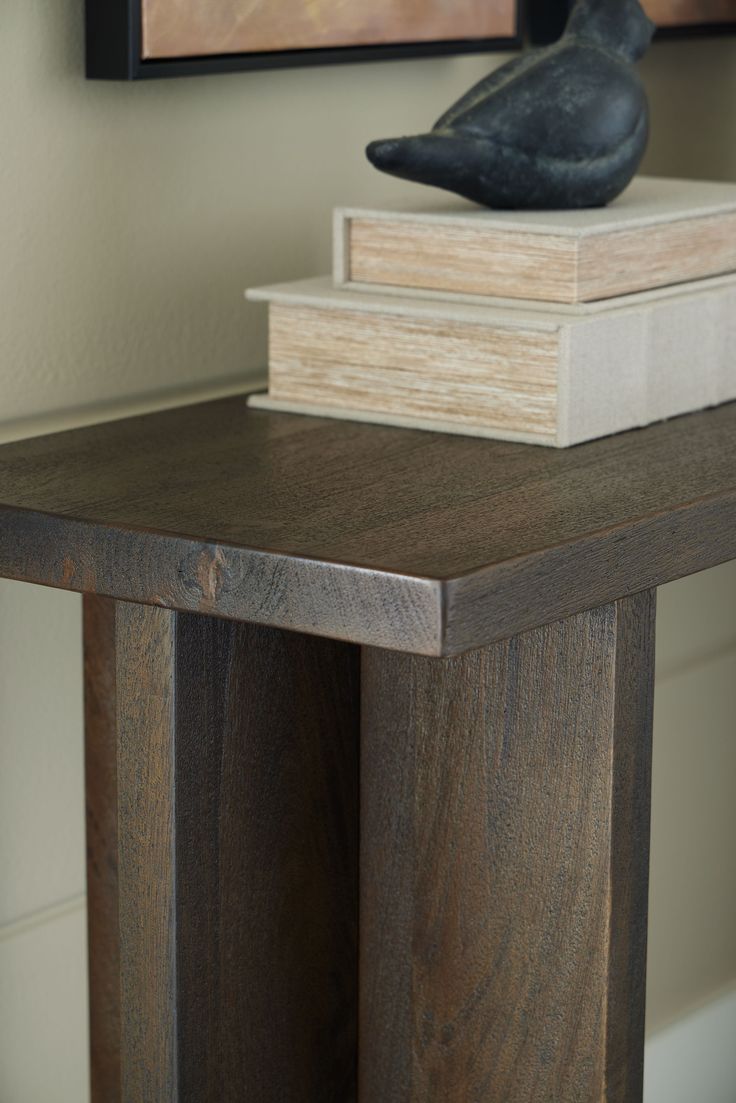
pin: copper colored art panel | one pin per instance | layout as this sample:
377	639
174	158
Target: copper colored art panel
145	39
190	28
682	13
673	17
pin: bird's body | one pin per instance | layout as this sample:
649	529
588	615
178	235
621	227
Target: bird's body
561	127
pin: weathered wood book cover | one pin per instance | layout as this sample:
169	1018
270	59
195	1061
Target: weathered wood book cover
658	233
547	376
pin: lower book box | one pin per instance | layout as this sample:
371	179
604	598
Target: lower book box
510	371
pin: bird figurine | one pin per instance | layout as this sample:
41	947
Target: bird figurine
561	127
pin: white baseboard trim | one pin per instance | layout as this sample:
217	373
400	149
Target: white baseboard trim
694	1060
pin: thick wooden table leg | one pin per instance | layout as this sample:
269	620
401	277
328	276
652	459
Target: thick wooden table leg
102	848
504	861
230	874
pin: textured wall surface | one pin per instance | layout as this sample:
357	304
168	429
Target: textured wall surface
131	220
133	217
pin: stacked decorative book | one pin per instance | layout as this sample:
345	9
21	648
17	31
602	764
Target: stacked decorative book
546	327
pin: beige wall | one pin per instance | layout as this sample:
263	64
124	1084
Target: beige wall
692	86
692	928
131	218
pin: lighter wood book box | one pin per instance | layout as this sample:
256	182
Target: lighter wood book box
660	232
581	360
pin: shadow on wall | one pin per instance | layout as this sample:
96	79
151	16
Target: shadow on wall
692	91
133	216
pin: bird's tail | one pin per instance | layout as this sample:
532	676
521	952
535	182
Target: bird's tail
440	158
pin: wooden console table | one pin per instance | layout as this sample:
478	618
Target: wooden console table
368	746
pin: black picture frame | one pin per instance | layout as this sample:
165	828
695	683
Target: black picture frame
113	31
546	21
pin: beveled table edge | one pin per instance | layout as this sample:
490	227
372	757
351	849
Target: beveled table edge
377	608
319	597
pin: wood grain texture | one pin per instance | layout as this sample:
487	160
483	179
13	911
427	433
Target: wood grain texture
145	656
631	781
237	783
467	373
469	260
635	260
472	260
103	932
660	232
553	377
193	28
505	826
415	541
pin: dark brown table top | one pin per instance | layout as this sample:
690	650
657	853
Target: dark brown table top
391	537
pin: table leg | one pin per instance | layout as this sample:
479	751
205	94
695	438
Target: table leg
504	865
223	894
102	848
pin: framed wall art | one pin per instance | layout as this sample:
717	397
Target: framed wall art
673	17
138	39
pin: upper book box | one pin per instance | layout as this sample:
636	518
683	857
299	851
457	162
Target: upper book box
658	233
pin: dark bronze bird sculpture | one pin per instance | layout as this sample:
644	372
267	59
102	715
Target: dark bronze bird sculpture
562	127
